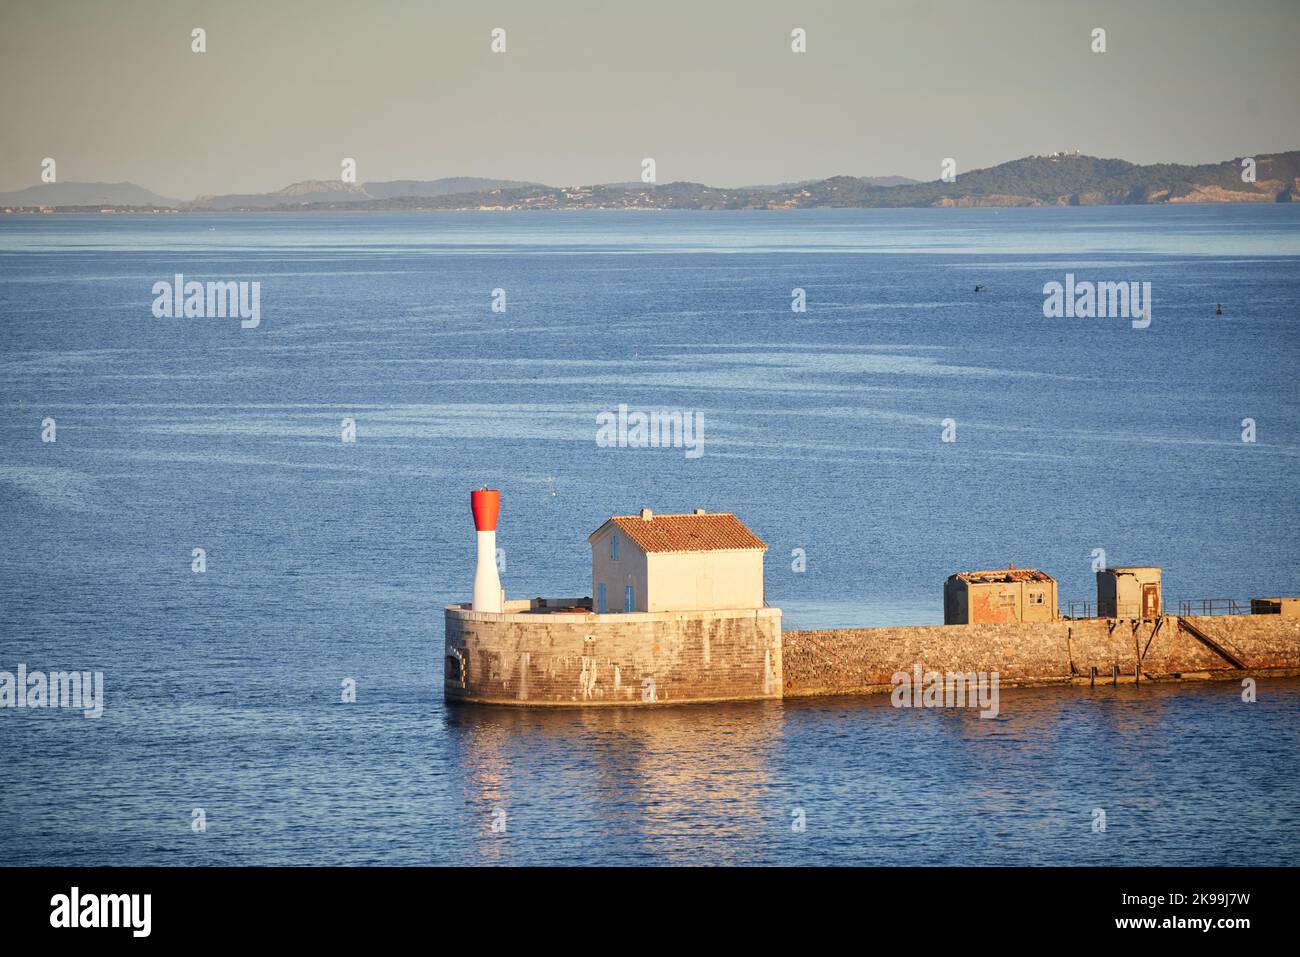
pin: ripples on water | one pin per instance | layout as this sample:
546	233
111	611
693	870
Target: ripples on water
1185	775
329	561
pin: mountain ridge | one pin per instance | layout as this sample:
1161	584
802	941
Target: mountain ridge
1055	179
75	193
335	191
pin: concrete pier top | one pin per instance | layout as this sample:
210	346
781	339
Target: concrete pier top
528	611
557	652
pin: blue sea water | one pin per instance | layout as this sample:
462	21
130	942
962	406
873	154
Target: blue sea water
329	560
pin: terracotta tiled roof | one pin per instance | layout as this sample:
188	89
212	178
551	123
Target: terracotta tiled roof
1004	575
689	533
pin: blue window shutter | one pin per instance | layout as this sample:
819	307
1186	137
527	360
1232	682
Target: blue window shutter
613	548
628	603
600	599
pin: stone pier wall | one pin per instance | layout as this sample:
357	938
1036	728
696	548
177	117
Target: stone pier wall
639	658
531	656
861	660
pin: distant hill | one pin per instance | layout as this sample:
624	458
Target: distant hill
307	191
1073	179
1062	179
865	180
336	191
85	194
440	187
1058	179
887	180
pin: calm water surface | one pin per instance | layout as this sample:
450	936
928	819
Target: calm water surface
329	561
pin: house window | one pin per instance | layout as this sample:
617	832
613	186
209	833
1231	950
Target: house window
613	548
629	600
600	599
1035	598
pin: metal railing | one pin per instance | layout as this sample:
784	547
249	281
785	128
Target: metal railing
1189	607
1088	609
1081	609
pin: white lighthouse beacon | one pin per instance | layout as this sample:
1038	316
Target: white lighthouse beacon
486	505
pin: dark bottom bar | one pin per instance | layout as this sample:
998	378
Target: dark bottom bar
335	905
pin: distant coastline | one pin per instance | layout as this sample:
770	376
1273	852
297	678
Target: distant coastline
1056	179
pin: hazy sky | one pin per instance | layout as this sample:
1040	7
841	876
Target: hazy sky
585	90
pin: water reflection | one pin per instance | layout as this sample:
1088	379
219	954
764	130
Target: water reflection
717	784
679	783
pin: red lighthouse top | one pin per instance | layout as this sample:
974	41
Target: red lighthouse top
486	505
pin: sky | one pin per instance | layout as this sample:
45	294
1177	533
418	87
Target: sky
710	89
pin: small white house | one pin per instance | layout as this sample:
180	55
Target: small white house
696	562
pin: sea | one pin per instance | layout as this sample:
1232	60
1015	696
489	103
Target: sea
251	530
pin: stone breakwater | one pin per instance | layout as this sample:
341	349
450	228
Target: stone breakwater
578	658
864	660
557	652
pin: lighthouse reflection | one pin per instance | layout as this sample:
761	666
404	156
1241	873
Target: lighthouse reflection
657	783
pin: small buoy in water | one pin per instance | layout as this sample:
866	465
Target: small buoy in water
979	288
1218	309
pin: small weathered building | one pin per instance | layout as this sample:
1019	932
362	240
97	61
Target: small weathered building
1132	591
697	562
999	596
1286	607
